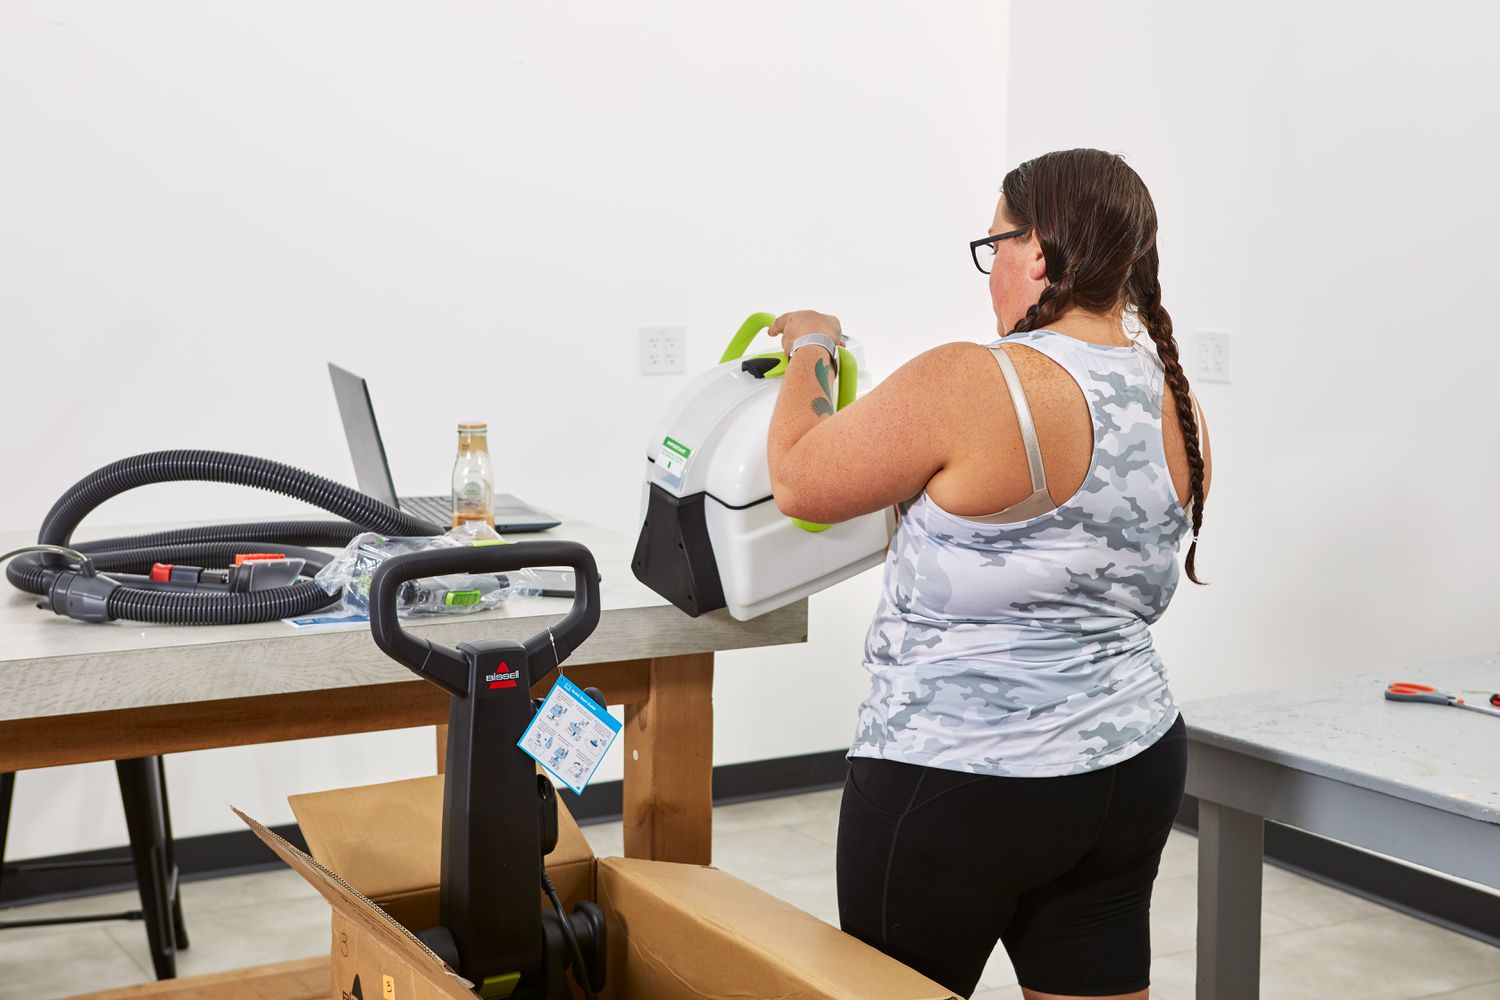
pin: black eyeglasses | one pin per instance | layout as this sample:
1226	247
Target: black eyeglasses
983	251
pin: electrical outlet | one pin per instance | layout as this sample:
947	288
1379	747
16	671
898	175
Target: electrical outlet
663	350
1213	355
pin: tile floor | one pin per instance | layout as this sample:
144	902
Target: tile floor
1317	942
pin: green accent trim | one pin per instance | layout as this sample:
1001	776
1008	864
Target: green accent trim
782	362
848	377
502	985
490	541
848	386
746	333
461	598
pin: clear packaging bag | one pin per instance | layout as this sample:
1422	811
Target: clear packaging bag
458	593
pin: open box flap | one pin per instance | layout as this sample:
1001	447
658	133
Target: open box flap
366	915
385	840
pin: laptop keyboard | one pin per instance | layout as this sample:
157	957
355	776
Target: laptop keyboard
438	510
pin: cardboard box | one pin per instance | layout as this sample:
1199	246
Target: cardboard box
675	931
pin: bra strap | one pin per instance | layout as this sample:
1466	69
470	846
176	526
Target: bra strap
1023	418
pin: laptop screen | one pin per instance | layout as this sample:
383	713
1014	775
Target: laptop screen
371	471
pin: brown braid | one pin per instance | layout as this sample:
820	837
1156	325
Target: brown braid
1159	325
1096	226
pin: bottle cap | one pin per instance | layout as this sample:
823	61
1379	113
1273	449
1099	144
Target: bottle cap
472	427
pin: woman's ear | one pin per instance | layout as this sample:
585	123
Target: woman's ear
1036	268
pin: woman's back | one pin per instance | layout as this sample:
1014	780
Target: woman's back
1022	648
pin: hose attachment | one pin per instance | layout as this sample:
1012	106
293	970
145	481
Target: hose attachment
95	584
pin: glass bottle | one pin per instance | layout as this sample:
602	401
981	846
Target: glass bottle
473	477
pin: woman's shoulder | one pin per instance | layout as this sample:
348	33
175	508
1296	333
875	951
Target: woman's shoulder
938	367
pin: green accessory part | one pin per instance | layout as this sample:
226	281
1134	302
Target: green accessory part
746	333
502	985
461	598
848	377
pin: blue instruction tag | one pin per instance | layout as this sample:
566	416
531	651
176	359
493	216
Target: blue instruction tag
570	735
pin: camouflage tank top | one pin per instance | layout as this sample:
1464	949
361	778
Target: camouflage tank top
1024	649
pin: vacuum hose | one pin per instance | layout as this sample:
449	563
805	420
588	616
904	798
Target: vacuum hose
81	591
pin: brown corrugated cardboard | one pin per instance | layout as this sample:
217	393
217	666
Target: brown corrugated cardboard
364	933
675	931
386	841
684	931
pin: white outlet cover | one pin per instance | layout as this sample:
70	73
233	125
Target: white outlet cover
1213	355
663	350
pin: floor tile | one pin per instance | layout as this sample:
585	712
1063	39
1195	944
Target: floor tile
112	902
1387	957
275	885
998	971
1310	903
1180	856
233	937
1174	916
80	960
999	993
786	810
766	854
824	828
1483	991
606	839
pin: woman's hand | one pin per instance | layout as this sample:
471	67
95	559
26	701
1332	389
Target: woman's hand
790	326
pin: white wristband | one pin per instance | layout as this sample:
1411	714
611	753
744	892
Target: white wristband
822	340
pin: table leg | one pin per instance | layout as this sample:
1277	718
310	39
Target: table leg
1231	846
668	788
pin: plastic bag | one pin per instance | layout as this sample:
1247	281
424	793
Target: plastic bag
457	593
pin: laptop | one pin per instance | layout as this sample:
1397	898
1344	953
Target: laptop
373	473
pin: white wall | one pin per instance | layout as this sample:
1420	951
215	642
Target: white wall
475	205
1325	179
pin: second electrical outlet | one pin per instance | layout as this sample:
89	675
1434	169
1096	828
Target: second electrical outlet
663	349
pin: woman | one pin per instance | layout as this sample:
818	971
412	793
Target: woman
1019	761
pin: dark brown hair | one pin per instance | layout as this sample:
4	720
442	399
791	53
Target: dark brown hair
1096	225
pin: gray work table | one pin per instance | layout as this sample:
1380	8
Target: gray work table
73	692
1413	781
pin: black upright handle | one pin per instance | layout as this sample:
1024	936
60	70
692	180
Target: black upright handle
431	659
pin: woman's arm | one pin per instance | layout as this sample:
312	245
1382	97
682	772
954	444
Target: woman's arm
881	449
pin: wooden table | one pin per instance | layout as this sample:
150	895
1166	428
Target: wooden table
1412	781
72	692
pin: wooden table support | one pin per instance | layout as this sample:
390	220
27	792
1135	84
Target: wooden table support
669	745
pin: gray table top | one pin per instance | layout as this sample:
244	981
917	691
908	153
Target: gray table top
1344	729
51	665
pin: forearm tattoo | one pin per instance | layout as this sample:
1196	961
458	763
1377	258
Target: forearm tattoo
823	405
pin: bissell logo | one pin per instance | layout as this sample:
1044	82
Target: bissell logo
503	680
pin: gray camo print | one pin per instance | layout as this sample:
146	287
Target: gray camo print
1024	650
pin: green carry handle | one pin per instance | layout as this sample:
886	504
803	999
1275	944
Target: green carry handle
848	367
848	377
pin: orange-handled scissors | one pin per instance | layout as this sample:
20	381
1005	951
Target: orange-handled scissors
1421	692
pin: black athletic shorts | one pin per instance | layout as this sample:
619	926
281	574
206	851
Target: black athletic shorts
935	866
